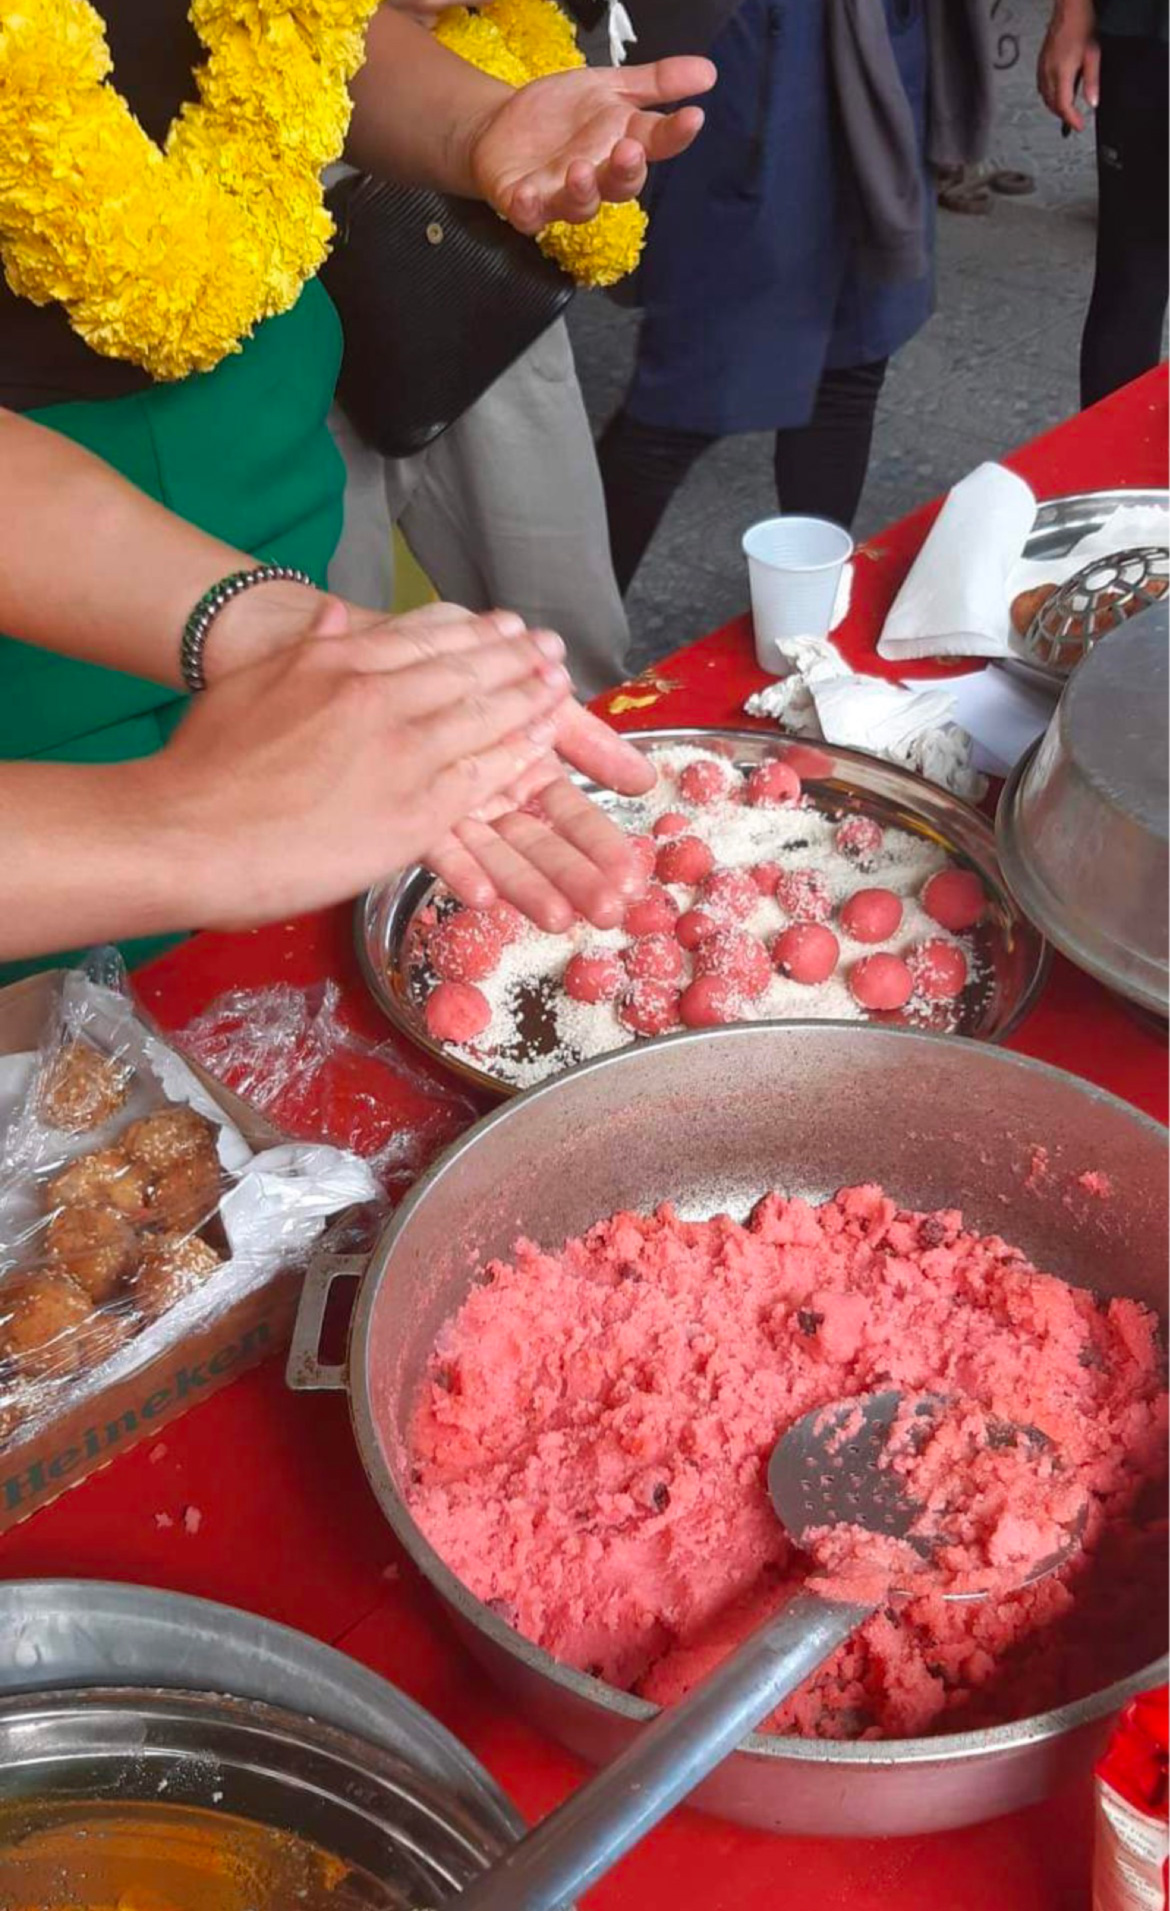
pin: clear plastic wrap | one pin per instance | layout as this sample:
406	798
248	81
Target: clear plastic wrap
132	1210
287	1051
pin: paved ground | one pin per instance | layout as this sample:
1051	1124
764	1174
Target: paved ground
996	365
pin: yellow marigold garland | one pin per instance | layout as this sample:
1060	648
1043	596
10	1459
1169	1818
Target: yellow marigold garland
522	40
170	258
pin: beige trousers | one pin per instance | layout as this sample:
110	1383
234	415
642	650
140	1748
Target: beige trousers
504	510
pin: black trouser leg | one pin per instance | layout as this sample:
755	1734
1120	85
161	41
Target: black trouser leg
642	467
821	466
1123	329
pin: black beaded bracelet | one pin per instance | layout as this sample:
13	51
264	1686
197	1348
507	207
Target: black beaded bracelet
206	611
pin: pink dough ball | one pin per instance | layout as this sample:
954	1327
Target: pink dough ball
464	947
773	784
596	978
738	958
708	1002
955	899
653	959
509	924
804	895
694	926
674	823
807	952
703	783
881	982
871	915
766	876
728	894
939	969
653	914
650	1008
683	859
859	838
457	1012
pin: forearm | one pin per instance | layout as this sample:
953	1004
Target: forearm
91	854
93	568
416	107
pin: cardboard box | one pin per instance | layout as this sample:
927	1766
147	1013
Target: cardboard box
64	1451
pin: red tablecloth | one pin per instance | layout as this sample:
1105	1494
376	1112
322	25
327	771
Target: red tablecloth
289	1528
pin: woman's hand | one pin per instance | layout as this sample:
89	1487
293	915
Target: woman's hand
540	843
544	845
1070	57
299	780
557	148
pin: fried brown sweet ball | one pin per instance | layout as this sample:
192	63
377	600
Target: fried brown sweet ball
43	1322
172	1266
158	1141
185	1195
1028	605
83	1088
106	1179
95	1246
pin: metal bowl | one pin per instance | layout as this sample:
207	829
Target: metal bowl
1013	959
1082	823
219	1803
710	1121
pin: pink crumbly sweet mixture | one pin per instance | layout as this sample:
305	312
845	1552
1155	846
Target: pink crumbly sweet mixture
589	1452
992	1503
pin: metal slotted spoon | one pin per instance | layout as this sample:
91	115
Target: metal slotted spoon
823	1472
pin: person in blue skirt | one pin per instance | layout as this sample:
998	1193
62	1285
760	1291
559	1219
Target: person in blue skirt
790	252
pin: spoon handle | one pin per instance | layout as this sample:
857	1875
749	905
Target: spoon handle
580	1841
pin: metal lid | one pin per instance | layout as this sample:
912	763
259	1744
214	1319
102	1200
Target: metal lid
366	1803
1082	826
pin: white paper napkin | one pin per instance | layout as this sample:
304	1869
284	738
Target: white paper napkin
956	600
912	726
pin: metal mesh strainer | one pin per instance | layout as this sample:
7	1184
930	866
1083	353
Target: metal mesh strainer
1096	600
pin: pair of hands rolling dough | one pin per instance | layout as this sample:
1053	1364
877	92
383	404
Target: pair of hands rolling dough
436	736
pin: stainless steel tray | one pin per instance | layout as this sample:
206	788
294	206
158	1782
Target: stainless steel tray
1060	525
1013	956
60	1635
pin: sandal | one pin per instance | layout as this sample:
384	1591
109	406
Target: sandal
962	189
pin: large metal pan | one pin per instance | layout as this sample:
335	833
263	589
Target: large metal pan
710	1121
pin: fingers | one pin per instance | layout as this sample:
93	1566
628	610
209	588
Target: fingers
664	81
463	681
1091	75
623	175
601	754
463	876
478	716
666	135
596	836
516	878
588	889
455	791
439	630
1057	76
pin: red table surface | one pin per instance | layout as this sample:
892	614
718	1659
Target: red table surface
289	1528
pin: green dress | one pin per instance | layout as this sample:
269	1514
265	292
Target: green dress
243	452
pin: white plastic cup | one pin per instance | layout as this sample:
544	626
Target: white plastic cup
794	568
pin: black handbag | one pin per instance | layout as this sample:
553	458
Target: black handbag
437	297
